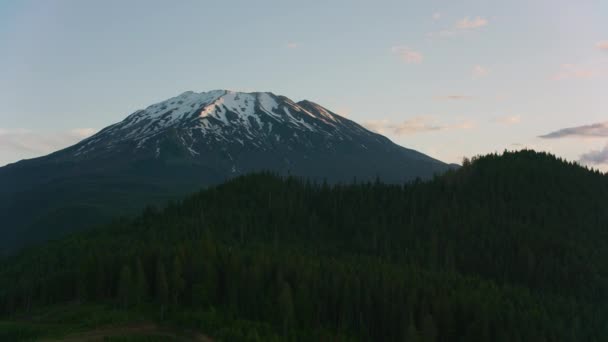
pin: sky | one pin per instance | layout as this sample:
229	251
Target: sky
451	79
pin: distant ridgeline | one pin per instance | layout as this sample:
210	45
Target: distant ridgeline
510	247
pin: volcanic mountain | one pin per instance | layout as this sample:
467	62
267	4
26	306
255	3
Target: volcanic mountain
187	142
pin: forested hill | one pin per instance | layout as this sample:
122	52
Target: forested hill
510	247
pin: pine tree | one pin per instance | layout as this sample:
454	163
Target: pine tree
286	307
429	329
125	287
412	333
141	283
177	281
162	289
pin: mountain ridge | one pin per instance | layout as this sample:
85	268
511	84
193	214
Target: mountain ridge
230	117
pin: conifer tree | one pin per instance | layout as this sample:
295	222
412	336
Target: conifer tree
162	289
177	281
412	333
125	287
429	329
286	309
141	283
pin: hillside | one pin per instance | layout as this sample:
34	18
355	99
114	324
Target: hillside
182	144
510	247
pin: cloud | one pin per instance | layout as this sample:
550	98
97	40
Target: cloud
83	132
480	71
595	157
414	125
461	27
292	45
454	97
343	111
28	144
597	130
408	55
501	97
447	33
572	71
603	45
508	120
436	16
468	24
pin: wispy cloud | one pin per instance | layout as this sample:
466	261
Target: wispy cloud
29	143
508	120
480	71
414	125
573	71
501	97
343	111
467	23
292	45
461	27
436	16
454	97
603	45
595	157
83	132
597	130
408	55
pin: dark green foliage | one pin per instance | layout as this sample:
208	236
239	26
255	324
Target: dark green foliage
141	283
285	304
126	287
162	288
507	248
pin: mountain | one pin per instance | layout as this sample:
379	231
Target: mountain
510	247
232	133
187	142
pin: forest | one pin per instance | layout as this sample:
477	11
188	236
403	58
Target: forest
508	247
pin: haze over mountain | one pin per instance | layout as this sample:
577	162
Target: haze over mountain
186	142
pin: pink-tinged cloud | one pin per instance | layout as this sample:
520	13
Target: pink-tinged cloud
460	28
436	16
480	71
408	55
509	119
572	71
467	23
414	125
292	45
454	97
447	33
343	111
603	45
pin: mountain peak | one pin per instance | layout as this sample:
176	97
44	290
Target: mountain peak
227	116
236	132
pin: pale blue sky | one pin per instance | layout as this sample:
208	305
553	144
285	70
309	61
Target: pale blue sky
449	78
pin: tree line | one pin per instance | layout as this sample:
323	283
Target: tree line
510	247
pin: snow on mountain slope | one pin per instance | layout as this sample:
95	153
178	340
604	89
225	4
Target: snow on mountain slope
226	116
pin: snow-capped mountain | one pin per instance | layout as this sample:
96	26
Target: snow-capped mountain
225	130
254	120
189	141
